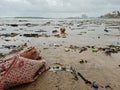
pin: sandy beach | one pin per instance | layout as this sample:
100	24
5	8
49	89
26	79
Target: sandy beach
100	68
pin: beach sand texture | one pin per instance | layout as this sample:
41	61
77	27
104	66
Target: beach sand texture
102	69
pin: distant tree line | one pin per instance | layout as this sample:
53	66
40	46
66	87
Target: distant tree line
114	14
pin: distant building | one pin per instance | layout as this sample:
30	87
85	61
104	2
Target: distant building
114	14
84	16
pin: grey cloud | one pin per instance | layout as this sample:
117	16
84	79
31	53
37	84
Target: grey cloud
57	7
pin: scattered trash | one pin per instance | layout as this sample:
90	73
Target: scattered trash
116	43
9	35
47	23
41	31
83	61
23	21
18	48
74	47
53	27
86	61
57	35
1	55
13	25
98	37
105	30
30	25
82	49
31	35
73	71
45	48
85	80
9	46
108	52
58	68
54	31
7	40
62	30
94	50
57	45
59	64
96	86
112	49
108	86
66	49
88	46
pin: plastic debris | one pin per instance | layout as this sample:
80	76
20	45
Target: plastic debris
94	50
58	68
66	49
108	86
54	31
62	30
83	61
26	65
96	86
31	35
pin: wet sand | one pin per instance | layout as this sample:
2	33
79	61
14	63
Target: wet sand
100	68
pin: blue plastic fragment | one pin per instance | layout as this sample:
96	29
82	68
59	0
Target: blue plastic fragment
95	86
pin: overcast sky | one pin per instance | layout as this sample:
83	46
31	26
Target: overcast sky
57	8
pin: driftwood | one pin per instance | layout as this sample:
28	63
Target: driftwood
74	73
85	80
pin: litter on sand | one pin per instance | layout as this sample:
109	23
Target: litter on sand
23	67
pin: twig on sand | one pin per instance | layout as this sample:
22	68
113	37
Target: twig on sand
86	81
74	73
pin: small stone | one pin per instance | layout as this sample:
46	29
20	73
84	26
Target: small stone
66	49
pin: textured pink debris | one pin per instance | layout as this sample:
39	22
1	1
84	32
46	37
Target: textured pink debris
22	68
